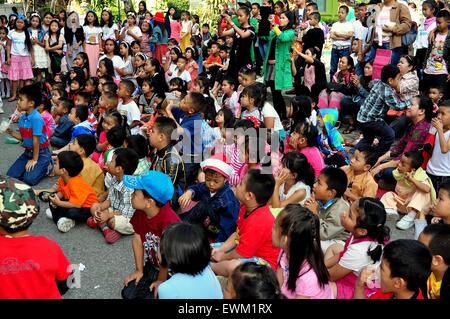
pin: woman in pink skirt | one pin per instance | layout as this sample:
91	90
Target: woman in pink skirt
19	56
93	40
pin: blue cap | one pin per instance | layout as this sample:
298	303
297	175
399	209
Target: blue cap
158	185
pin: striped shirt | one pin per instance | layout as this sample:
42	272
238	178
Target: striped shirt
380	99
33	125
120	197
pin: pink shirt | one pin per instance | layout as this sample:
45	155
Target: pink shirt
314	158
307	284
49	123
175	28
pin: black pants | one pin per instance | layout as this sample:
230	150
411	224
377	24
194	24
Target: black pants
379	129
350	109
77	214
300	89
278	100
420	56
438	181
142	289
399	125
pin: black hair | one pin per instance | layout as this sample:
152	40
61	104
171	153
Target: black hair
205	25
166	126
116	136
301	108
248	71
139	144
110	20
432	5
196	17
71	161
389	71
32	93
106	77
116	46
185	248
412	61
128	159
370	155
445	103
315	15
309	131
86	142
314	5
66	103
177	52
302	229
440	243
96	23
81	112
336	179
85	57
253	281
261	185
372	217
228	116
194	53
445	186
86	96
425	103
110	87
345	8
350	62
145	6
256	92
129	85
415	157
199	103
180	85
80	80
443	14
298	164
256	4
410	260
27	34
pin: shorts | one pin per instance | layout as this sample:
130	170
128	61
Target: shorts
254	259
122	225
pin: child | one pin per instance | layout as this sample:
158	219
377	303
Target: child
304	140
373	111
139	144
180	71
76	86
421	45
217	208
414	191
139	67
327	202
360	181
125	52
365	221
5	88
146	30
253	281
37	40
405	267
79	117
438	168
74	197
301	268
63	132
341	34
113	215
146	100
186	29
252	240
110	120
166	158
93	43
211	63
185	249
128	107
33	164
44	109
436	94
151	194
19	209
82	61
294	181
230	96
54	44
314	36
191	65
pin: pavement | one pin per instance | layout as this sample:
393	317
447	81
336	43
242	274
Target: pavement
105	266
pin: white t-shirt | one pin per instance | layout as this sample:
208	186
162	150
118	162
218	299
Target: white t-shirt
117	63
296	187
185	75
91	34
360	32
18	46
356	256
109	33
267	111
384	17
422	36
136	31
340	28
131	111
439	163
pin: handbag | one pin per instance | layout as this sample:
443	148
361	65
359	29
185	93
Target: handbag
409	37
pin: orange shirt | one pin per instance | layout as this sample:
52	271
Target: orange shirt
211	59
77	192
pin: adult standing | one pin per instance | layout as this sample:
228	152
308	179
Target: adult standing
277	73
74	35
392	20
141	12
240	54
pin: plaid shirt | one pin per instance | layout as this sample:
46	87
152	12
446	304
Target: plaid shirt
380	99
413	139
120	197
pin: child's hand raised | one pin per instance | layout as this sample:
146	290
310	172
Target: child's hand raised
437	124
282	176
312	204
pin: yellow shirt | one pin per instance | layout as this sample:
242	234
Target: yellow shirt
362	185
93	175
434	287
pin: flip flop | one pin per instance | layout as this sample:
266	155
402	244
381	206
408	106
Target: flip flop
45	196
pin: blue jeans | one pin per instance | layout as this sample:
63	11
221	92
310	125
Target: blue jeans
263	48
396	53
335	56
379	129
33	177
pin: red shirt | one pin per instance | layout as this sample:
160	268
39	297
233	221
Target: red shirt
151	229
390	295
254	235
211	59
30	266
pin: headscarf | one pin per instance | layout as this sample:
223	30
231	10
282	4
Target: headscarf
69	23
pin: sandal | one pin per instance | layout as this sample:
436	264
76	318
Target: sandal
349	129
45	196
11	99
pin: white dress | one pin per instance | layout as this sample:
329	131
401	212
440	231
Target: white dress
40	56
297	186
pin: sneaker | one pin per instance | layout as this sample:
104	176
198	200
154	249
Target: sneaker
91	223
392	214
65	224
48	213
111	236
406	222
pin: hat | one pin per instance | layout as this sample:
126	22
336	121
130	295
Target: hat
217	164
18	204
158	185
158	17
